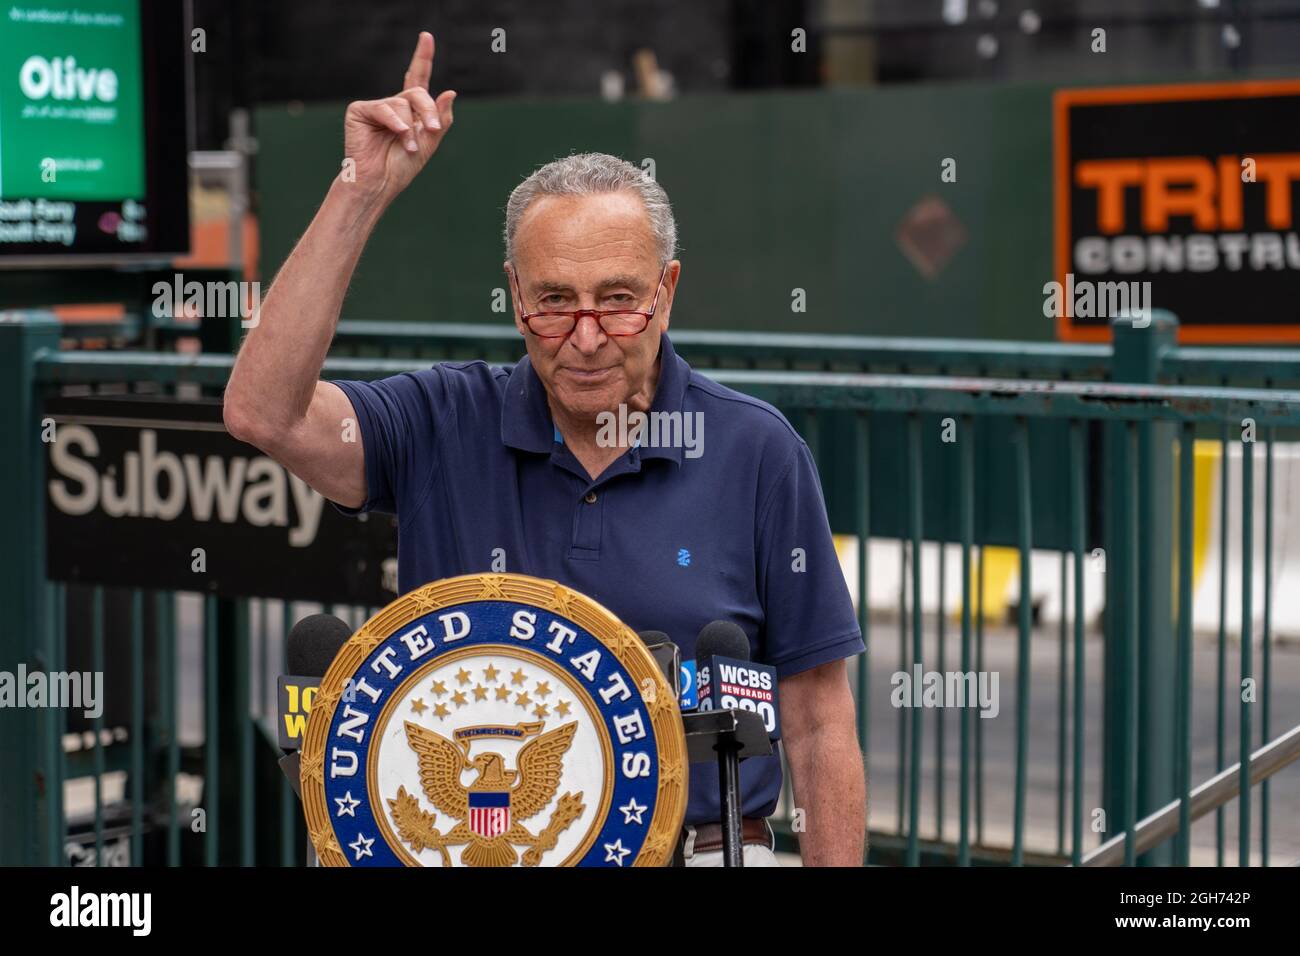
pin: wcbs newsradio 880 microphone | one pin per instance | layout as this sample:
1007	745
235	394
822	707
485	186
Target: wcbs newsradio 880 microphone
729	686
729	680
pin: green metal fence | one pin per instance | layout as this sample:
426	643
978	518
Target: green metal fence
1112	434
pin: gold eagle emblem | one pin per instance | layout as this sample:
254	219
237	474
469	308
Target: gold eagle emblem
523	793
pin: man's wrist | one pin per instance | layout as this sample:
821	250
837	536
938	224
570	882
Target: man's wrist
360	205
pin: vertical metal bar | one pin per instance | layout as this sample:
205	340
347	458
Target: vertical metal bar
1266	684
902	666
97	724
23	336
939	713
966	506
863	500
243	711
1024	541
137	727
1130	645
55	637
1183	718
263	707
211	737
979	724
287	797
914	770
1244	793
1153	585
1078	493
165	601
810	433
1220	731
1062	708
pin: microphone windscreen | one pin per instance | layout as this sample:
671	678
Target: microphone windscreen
653	637
313	643
722	639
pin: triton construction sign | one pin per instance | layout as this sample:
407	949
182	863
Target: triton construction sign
1191	188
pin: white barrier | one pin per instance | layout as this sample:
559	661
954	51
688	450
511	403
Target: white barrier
1002	575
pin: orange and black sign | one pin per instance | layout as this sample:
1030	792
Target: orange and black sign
1192	189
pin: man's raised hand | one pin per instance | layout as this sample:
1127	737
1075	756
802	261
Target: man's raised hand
390	140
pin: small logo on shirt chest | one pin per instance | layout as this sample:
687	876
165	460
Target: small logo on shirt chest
684	557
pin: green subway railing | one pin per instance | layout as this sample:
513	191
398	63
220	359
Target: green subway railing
716	349
1088	399
442	341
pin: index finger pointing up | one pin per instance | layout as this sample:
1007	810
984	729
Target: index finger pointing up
417	74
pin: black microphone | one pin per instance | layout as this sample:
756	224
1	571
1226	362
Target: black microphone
717	639
721	639
310	647
728	679
724	639
313	643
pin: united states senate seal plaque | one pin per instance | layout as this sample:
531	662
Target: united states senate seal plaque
494	720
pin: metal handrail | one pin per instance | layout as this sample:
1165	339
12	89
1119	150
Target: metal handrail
1211	795
855	391
794	349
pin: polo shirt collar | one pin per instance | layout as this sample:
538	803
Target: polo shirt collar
670	396
526	421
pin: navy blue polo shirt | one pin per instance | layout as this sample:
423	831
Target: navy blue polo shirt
468	458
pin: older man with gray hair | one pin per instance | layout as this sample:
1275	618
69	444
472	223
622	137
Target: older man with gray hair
485	463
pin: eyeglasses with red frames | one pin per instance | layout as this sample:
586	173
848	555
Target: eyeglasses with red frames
613	322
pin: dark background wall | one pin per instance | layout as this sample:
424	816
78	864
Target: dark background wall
816	171
274	51
281	50
773	191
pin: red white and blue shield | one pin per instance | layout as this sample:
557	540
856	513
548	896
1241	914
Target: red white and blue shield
489	812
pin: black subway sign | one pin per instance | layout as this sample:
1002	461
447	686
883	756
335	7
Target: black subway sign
147	493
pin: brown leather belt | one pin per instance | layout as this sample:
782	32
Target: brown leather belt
753	831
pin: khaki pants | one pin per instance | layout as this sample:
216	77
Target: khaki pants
755	854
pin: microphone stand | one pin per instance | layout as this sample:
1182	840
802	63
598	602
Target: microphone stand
729	787
291	763
727	736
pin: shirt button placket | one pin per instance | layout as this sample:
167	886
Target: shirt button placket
587	526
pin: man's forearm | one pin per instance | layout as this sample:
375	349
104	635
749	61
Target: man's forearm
830	788
280	361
